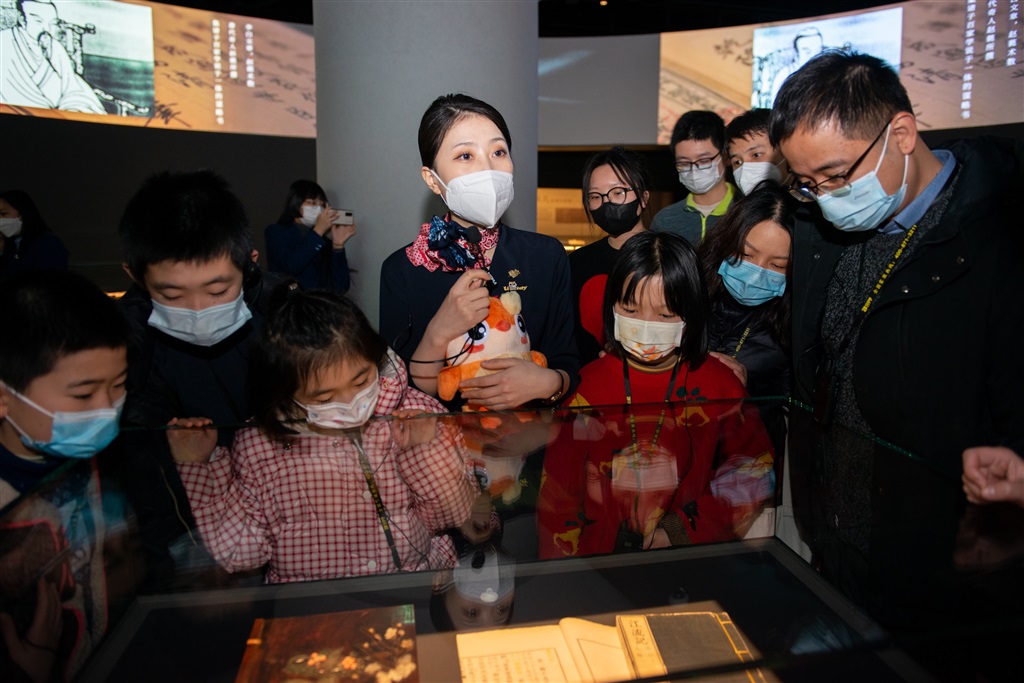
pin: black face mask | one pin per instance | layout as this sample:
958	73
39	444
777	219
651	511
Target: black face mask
616	219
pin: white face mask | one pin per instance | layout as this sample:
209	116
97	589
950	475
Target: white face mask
700	181
480	198
203	328
10	227
748	175
310	214
648	341
345	415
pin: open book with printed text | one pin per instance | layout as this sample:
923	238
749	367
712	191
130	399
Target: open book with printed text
637	646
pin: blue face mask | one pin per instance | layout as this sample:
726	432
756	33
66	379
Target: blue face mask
207	327
74	435
863	204
749	284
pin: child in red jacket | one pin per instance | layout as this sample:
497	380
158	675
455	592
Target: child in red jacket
666	453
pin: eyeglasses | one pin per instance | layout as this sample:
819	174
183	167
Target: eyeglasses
837	185
700	164
616	195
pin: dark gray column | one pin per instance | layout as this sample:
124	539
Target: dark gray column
379	66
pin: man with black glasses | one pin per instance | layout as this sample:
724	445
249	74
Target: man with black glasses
697	144
908	322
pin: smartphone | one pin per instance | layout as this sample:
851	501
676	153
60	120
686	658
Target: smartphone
344	218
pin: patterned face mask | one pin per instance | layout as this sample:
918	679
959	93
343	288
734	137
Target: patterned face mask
648	341
345	415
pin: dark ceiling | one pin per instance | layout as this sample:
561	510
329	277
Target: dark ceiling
588	17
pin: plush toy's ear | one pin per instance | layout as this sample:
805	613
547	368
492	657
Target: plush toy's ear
448	382
512	302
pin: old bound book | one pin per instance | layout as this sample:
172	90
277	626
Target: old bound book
584	651
367	645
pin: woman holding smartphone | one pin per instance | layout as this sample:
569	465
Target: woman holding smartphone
308	240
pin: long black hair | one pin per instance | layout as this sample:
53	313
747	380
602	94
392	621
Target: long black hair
767	202
298	192
32	223
670	256
306	331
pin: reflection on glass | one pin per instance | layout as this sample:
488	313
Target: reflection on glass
66	569
696	472
322	506
477	593
75	533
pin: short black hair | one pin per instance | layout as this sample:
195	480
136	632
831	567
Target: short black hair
445	112
670	256
699	125
191	217
298	192
748	123
305	332
32	223
49	315
856	92
628	166
767	202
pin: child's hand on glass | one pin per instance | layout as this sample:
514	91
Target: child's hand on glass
192	439
410	429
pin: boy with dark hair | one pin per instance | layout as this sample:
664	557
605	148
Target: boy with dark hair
63	368
752	156
197	299
907	324
698	144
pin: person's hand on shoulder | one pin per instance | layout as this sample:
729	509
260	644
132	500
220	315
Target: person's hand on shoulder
738	368
993	474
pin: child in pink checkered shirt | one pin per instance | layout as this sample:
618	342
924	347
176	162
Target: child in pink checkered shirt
319	489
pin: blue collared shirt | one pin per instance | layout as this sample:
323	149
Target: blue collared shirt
916	209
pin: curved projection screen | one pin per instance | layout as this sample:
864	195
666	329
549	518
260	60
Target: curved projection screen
958	59
149	64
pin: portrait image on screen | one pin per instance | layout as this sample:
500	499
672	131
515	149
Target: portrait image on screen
781	50
156	65
87	56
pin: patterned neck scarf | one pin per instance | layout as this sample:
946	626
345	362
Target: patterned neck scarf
443	243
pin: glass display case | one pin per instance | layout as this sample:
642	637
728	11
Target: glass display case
844	558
